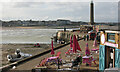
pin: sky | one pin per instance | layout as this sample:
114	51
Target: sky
77	10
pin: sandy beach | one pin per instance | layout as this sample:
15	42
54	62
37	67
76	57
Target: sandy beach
25	48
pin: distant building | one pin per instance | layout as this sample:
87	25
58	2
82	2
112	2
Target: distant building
62	22
52	23
41	23
25	23
75	23
59	22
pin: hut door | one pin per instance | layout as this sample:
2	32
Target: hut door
102	57
109	57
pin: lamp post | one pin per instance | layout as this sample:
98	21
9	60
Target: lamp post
58	63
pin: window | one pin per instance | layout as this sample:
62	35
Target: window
111	37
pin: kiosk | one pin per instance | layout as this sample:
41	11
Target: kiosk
109	55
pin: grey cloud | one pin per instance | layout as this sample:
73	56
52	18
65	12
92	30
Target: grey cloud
27	4
106	11
22	4
54	10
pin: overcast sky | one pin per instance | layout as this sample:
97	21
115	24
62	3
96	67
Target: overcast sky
75	11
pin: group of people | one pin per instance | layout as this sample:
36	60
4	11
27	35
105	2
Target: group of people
86	37
77	61
37	45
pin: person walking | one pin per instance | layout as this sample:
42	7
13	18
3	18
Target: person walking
87	37
84	37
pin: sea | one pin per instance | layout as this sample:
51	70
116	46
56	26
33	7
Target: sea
27	36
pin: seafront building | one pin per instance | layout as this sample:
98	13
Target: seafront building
109	54
59	22
62	22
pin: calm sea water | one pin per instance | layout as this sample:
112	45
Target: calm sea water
29	36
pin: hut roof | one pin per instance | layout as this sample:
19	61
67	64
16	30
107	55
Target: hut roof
110	28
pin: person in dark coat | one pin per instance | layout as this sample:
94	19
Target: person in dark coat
77	61
77	36
87	37
84	37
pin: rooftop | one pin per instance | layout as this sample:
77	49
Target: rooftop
110	28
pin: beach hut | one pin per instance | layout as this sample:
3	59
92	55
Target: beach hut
109	49
63	37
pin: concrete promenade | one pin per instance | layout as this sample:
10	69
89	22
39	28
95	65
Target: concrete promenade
28	65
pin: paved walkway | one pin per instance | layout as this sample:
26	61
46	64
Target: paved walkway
32	63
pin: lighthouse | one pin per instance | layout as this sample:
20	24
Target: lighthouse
91	13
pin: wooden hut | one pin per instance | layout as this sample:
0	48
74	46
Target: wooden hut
64	36
109	55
